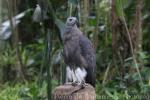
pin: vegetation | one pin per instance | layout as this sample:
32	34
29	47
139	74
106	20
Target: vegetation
31	64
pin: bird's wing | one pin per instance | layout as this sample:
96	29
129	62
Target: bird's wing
87	50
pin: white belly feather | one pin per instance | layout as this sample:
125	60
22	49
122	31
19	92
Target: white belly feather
78	75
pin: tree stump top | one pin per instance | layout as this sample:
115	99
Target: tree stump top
69	92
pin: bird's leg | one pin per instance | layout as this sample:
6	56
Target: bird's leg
68	76
81	74
83	83
74	77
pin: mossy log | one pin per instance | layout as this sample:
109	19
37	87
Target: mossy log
69	92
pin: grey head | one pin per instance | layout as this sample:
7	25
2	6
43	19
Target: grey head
71	21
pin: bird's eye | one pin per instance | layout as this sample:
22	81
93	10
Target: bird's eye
70	19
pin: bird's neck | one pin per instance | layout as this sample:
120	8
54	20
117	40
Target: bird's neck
71	27
70	32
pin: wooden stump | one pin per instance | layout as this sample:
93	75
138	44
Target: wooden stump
69	92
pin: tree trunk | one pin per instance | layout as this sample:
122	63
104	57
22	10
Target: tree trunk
120	43
69	92
12	11
126	42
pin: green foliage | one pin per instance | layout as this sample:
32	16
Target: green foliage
7	57
32	36
27	91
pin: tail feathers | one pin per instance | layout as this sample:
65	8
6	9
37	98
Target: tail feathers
91	76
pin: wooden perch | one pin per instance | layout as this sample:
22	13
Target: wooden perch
69	92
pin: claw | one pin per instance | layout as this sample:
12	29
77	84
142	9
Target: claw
74	83
83	84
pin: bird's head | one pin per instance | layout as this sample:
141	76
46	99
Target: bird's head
71	21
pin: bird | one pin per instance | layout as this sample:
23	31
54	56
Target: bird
79	55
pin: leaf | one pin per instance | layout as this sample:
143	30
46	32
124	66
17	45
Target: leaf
5	27
119	9
61	26
120	6
37	15
57	57
113	96
126	3
75	2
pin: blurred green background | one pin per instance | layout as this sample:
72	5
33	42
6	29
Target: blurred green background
31	64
